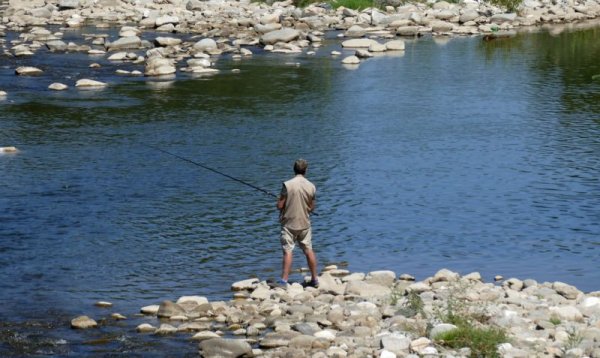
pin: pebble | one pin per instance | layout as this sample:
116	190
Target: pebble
103	304
58	86
89	83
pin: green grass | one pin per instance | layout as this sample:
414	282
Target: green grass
555	320
482	341
352	4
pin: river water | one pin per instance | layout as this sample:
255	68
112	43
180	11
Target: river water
458	153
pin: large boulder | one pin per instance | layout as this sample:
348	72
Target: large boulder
68	4
283	35
358	43
225	348
56	45
129	42
169	309
367	290
205	45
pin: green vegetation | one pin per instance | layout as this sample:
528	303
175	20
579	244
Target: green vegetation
555	320
574	339
509	5
353	4
469	320
482	341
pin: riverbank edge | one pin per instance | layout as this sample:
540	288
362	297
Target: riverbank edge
230	29
380	314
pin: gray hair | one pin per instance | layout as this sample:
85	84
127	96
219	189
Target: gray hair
300	166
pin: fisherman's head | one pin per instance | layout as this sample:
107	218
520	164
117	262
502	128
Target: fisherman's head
300	166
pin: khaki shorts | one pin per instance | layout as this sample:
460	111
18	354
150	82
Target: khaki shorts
289	237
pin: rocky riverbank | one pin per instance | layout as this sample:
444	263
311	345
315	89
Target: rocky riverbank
380	314
166	37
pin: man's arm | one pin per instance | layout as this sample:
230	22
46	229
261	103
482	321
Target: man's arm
282	198
311	205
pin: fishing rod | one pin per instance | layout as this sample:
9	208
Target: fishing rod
264	191
212	170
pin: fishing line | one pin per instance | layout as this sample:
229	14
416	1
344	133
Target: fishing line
212	170
264	191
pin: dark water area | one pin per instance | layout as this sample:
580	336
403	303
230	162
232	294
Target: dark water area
459	154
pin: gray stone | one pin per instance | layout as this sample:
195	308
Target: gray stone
248	284
225	348
358	43
168	309
366	290
131	42
383	277
502	18
56	45
83	322
567	291
407	31
68	4
145	328
28	71
513	284
204	335
355	31
395	45
307	328
167	41
205	45
395	343
283	35
467	16
58	86
42	12
441	328
442	26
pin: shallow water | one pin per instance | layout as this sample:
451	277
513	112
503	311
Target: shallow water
459	154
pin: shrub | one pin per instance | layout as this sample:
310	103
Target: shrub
509	5
482	341
352	4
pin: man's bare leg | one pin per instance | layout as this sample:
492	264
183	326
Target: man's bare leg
286	265
311	260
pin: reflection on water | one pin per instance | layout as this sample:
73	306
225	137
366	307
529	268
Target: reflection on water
470	156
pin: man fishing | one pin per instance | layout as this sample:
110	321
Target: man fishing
295	203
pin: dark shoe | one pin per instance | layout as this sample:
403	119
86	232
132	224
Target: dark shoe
313	283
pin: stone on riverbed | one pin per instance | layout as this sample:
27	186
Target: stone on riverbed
89	83
28	71
395	45
56	45
159	66
283	35
198	300
351	60
221	347
151	309
167	41
204	335
130	42
359	43
83	322
243	285
169	309
145	328
205	45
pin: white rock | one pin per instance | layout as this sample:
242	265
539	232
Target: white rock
103	304
565	290
118	56
118	316
395	342
58	86
248	284
387	354
8	149
419	344
89	83
283	35
28	71
165	329
167	19
145	328
152	309
358	43
167	41
199	300
205	45
201	336
445	275
377	47
327	334
83	322
395	45
351	60
568	313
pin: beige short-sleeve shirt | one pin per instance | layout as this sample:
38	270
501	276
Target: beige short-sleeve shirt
299	192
